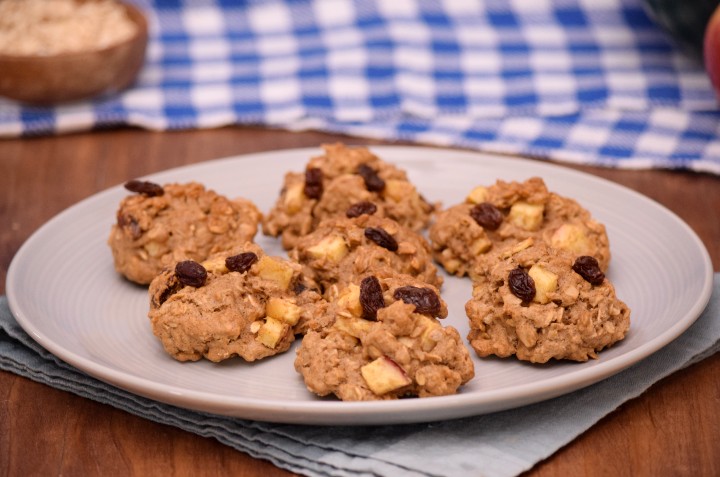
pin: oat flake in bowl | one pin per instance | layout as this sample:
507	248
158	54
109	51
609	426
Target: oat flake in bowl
48	27
64	50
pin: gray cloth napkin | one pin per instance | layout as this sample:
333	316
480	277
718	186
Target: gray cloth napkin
500	444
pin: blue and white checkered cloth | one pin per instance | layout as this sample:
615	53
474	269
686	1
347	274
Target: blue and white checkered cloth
586	81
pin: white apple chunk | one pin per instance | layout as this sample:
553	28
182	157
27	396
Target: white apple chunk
356	327
215	265
384	375
283	310
477	196
332	248
275	270
294	198
349	300
546	282
271	332
570	237
397	190
525	215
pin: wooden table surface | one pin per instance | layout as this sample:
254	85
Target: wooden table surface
673	429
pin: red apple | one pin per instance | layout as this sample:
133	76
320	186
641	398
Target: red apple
711	50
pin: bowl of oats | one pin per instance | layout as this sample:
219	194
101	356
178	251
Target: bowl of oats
56	51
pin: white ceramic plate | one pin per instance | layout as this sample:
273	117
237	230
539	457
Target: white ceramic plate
65	293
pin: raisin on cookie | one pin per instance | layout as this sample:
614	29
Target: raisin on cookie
161	225
540	303
241	303
335	182
507	212
385	342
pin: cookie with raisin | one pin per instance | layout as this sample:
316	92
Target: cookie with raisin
334	184
539	303
240	303
385	342
507	212
160	225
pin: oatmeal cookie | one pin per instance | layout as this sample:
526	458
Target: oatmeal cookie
243	303
507	212
399	352
161	225
539	303
342	249
334	182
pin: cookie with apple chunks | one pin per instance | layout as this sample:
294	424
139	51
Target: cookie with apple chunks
343	249
337	181
377	351
158	226
540	303
507	212
243	303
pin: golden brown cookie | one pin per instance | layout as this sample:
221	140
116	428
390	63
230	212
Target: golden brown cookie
508	212
335	182
160	225
245	304
384	349
540	303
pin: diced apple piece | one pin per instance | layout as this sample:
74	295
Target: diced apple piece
215	265
477	196
271	332
570	237
283	310
275	270
332	248
295	198
350	300
398	190
451	266
427	338
518	247
480	245
527	216
353	326
154	249
546	282
384	375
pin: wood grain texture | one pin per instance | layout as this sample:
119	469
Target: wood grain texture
673	429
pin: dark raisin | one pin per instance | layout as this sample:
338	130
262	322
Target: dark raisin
382	238
521	284
241	262
373	182
371	297
191	273
299	287
149	189
425	300
588	268
487	216
130	223
313	183
173	286
360	208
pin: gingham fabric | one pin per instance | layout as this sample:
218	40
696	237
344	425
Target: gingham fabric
587	81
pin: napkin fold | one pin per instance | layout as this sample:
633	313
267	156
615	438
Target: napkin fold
494	445
590	82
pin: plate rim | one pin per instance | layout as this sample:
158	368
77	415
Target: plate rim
326	412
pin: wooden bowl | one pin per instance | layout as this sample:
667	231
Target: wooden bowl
46	80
